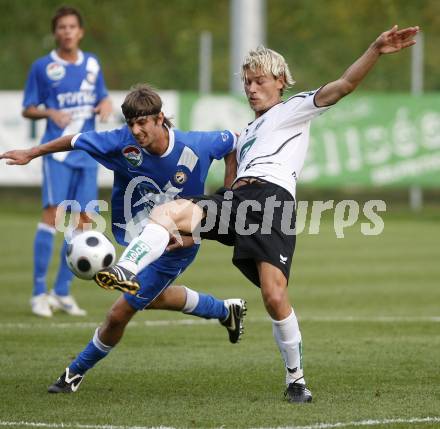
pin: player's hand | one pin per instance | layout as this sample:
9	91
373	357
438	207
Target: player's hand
180	242
395	40
104	109
17	157
62	119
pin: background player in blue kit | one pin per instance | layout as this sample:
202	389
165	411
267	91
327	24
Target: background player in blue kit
152	163
70	85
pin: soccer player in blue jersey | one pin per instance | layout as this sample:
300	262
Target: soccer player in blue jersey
152	162
65	87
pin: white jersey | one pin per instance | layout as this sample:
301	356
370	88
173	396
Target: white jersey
274	146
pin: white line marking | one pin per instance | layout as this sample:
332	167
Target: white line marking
364	423
77	425
197	321
313	426
376	319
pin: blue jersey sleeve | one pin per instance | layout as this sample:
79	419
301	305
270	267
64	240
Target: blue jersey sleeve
33	93
100	145
222	143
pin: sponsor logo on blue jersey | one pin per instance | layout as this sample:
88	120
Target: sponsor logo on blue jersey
55	71
76	98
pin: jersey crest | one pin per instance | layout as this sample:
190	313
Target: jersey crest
133	155
180	177
244	150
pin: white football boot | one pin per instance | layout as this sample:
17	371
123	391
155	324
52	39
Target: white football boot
67	304
40	305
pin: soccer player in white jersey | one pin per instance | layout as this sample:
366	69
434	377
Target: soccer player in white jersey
66	87
256	215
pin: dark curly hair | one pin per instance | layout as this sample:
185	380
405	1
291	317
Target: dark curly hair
65	11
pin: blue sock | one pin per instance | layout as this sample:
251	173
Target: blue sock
90	356
202	305
64	276
43	246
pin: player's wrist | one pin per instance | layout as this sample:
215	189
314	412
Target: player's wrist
49	113
375	48
35	152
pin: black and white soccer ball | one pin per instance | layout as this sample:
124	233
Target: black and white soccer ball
89	252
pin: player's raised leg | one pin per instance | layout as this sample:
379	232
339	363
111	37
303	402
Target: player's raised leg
166	220
285	330
230	312
155	294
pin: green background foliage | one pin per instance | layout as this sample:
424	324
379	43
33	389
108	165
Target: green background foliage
145	40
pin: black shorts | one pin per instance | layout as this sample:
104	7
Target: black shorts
258	219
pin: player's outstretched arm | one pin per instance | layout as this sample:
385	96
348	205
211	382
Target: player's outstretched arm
24	156
391	41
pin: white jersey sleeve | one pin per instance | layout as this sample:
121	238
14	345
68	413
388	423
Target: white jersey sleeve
300	108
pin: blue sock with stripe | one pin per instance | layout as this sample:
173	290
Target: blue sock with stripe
43	247
90	356
203	305
64	276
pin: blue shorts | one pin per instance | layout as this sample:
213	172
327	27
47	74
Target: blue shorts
61	182
155	278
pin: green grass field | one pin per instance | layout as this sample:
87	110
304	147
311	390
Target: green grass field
369	311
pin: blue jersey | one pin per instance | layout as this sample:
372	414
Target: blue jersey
142	180
75	88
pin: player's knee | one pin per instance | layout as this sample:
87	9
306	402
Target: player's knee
274	299
118	317
273	302
162	215
158	212
170	215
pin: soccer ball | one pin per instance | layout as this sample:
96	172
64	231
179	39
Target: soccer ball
89	252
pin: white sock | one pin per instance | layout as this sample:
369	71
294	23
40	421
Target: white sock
288	338
145	249
99	344
45	227
192	299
